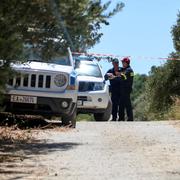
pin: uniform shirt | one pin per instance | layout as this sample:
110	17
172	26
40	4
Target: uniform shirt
128	79
115	84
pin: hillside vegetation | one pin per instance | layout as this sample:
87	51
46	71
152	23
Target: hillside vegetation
157	96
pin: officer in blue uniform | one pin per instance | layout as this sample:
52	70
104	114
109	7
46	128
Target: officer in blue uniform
113	75
125	91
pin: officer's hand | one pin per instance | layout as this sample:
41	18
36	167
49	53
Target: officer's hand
110	76
118	73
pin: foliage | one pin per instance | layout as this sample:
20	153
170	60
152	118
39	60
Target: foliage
157	89
48	27
45	28
163	85
138	99
174	112
156	98
140	110
89	14
138	85
176	35
85	117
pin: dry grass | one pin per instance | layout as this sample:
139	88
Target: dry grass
10	138
20	136
174	113
13	134
14	140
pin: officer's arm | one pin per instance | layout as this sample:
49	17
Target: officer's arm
128	74
106	77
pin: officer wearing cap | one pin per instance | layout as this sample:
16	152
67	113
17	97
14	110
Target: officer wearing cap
126	89
114	76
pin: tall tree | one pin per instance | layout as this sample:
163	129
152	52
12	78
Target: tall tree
74	23
49	25
176	35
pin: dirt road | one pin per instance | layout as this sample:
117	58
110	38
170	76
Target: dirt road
100	151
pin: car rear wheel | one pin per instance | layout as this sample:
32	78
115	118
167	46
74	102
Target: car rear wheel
104	116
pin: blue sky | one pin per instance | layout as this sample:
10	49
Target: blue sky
141	30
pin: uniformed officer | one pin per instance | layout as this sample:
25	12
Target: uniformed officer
113	75
126	89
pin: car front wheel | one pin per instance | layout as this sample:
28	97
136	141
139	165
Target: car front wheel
105	116
70	119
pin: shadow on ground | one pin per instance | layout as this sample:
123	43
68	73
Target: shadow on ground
15	155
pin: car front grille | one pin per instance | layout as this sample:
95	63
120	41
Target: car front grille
31	81
86	86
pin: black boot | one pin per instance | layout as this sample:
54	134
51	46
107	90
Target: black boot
113	119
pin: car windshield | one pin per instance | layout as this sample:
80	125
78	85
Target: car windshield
63	60
87	69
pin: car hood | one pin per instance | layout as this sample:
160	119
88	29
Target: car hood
41	66
89	79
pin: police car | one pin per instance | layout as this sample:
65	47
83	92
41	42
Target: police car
93	92
46	89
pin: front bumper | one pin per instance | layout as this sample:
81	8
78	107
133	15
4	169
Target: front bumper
44	106
93	101
69	94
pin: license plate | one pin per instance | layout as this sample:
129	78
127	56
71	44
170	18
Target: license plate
24	99
79	103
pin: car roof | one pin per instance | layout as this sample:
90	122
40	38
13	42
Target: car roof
86	60
82	58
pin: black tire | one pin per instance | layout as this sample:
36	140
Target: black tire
70	120
105	116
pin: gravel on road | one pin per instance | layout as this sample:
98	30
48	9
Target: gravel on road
101	151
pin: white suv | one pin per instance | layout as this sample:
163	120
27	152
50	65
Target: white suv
93	92
46	89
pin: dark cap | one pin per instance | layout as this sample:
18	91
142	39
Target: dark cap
115	60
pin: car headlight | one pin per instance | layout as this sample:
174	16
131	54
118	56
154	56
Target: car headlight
60	80
98	86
